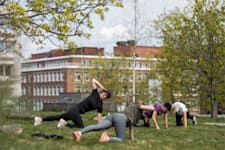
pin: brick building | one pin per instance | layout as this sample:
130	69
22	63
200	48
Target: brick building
46	75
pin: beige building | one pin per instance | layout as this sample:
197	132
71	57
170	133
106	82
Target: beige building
10	62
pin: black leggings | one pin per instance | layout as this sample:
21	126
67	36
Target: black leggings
72	114
179	122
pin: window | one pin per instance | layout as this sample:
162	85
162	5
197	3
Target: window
41	77
86	76
61	89
78	89
77	76
8	70
45	91
45	77
34	91
49	76
34	77
49	91
61	76
139	77
1	70
53	77
41	92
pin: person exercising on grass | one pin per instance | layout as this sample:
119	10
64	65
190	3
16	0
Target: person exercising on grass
92	102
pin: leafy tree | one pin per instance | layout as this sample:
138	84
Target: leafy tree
116	73
5	95
53	19
194	43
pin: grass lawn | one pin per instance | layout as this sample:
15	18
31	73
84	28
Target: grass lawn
199	137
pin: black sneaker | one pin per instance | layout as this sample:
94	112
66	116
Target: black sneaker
147	125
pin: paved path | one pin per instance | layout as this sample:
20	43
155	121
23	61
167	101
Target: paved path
214	124
208	115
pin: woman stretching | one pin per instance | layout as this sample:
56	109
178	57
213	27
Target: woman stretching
118	120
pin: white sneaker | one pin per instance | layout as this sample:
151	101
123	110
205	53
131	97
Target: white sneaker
37	121
62	123
195	120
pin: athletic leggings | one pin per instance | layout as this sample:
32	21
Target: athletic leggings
118	120
72	114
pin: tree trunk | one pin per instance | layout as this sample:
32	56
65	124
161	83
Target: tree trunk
213	108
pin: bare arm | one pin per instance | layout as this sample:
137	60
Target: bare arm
154	114
99	117
96	84
131	132
147	107
185	119
166	120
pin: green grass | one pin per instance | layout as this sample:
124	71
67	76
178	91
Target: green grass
200	137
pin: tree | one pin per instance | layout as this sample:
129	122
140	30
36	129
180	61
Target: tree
194	42
116	73
56	20
5	95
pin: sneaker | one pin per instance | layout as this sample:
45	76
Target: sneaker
62	123
194	121
37	121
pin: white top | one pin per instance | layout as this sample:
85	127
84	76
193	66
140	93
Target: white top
179	108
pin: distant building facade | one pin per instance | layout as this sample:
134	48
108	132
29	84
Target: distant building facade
45	76
10	61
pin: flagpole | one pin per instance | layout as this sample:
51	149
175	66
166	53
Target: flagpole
134	49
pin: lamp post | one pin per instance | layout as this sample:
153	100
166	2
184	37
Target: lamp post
134	49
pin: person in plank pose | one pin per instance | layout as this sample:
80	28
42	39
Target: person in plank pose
93	102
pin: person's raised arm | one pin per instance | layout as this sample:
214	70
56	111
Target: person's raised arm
185	119
96	84
154	114
166	120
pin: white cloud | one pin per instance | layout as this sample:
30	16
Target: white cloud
28	47
116	32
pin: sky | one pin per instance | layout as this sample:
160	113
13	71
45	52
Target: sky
117	26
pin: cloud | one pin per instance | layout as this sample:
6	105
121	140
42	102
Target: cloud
29	47
116	32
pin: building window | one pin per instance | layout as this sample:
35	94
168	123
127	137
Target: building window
45	77
1	70
41	77
41	92
56	90
49	91
61	76
38	77
34	77
34	91
8	70
61	89
49	76
24	91
78	89
53	91
86	76
53	77
45	91
139	77
77	76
